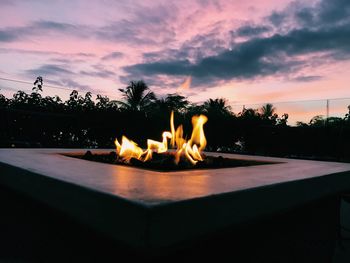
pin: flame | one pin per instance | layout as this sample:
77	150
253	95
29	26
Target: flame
186	84
128	149
159	147
172	129
190	149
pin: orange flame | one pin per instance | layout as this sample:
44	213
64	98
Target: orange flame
128	149
190	149
186	84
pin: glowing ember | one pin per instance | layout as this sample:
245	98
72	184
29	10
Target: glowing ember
190	149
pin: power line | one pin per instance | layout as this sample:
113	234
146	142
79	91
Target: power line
291	101
31	83
46	86
237	105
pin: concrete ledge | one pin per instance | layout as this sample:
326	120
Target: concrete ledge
151	210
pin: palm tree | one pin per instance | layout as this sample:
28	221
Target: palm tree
177	102
172	102
217	106
249	113
267	111
137	96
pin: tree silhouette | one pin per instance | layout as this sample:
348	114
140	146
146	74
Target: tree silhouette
103	102
31	120
177	102
137	96
35	99
20	100
88	102
75	100
249	114
219	116
217	107
268	114
283	120
334	121
3	100
317	121
301	124
347	115
38	84
267	111
172	102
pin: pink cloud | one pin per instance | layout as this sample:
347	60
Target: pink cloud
57	34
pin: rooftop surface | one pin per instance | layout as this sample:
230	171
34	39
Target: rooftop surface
153	187
150	209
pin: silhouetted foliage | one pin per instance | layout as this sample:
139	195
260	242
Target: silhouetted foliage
217	107
268	114
31	120
267	111
3	100
347	116
38	84
282	121
317	121
137	96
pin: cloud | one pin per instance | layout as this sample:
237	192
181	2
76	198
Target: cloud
7	2
280	53
113	55
49	70
99	74
99	71
57	74
174	67
306	78
69	83
277	18
7	36
315	15
52	25
61	70
256	57
251	30
46	53
333	11
43	28
193	49
206	3
86	55
212	51
147	26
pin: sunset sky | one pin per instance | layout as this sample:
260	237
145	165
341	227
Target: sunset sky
245	51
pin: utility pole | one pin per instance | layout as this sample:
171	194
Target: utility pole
327	111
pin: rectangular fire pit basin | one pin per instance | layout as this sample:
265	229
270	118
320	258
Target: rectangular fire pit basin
150	210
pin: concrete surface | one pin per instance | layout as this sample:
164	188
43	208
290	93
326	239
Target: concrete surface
152	210
34	232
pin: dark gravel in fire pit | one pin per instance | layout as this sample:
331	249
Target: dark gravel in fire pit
165	161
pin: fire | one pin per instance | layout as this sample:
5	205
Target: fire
128	149
190	149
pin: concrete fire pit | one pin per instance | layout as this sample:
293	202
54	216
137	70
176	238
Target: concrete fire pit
150	210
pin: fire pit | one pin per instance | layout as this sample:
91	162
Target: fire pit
165	162
152	209
188	153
